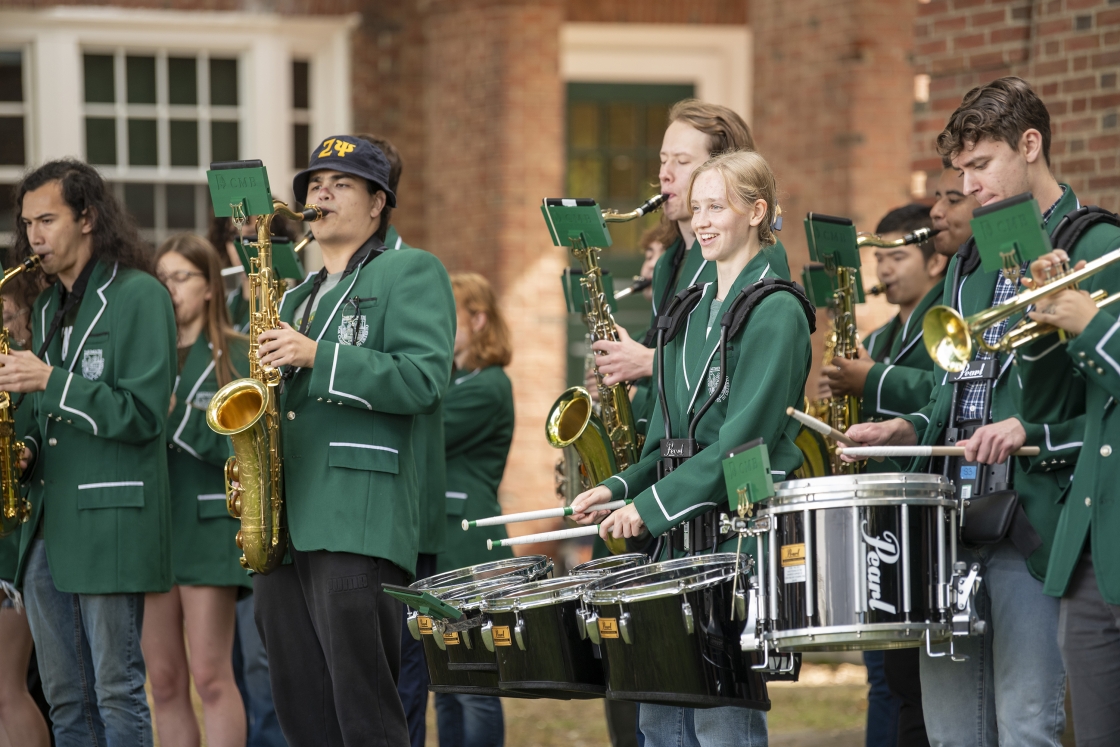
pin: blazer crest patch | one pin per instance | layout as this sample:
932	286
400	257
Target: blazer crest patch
713	381
353	330
202	400
93	364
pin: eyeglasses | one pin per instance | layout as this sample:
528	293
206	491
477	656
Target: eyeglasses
179	277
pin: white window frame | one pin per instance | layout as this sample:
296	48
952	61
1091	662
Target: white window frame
54	40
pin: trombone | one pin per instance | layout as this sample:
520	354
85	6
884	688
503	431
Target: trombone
948	336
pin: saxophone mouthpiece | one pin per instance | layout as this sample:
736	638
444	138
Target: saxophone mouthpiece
652	204
312	213
922	234
878	290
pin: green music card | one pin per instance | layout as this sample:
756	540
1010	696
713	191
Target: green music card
284	259
569	219
423	602
817	283
240	186
748	466
1010	232
832	237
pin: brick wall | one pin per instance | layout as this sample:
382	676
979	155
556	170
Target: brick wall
1069	50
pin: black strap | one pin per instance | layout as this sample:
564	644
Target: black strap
667	293
371	250
750	297
69	301
1074	225
682	304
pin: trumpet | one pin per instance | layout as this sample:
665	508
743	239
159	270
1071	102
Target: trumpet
914	237
949	336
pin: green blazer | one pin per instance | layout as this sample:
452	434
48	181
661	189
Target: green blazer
99	481
765	378
349	461
203	552
238	309
428	444
1041	481
478	423
694	270
1083	378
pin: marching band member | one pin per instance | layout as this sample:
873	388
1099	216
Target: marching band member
204	559
733	202
99	535
366	344
21	721
697	131
428	446
1013	684
478	425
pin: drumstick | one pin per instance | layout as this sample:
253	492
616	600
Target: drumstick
919	451
544	513
529	539
823	428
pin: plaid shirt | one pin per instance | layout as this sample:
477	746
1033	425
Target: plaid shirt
971	402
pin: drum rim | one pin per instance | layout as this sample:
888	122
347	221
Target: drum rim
521	563
811	501
722	568
590	569
825	484
572	588
780	636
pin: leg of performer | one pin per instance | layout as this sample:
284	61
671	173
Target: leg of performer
1089	636
667	726
483	723
63	655
901	667
264	728
449	720
413	685
722	726
882	705
22	722
166	660
958	696
209	613
1030	680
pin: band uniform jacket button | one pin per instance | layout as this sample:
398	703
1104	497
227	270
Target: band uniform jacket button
52	441
1106	450
1081	354
1088	501
42	482
291	415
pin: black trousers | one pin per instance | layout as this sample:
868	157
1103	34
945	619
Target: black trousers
334	649
413	683
901	666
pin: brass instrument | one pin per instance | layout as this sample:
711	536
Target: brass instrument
638	285
247	411
878	290
843	341
914	237
607	442
948	336
14	508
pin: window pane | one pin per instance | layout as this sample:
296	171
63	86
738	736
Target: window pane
182	78
11	76
11	141
99	79
657	119
223	82
620	125
620	179
101	141
301	140
142	150
141	80
140	200
583	125
301	91
184	142
223	139
180	206
7	208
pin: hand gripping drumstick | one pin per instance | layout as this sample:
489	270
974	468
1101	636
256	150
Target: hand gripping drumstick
546	513
824	429
529	539
920	451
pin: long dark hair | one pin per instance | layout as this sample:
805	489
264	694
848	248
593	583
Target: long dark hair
202	254
114	234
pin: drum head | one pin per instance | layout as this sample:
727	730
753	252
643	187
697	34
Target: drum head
529	566
536	594
668	578
609	564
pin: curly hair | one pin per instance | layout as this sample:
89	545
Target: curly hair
1001	110
748	178
114	235
489	346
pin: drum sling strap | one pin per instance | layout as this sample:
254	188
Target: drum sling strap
702	532
990	507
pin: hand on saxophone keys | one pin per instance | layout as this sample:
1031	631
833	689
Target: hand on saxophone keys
21	371
286	347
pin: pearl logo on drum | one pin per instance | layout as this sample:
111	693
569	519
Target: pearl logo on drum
882	549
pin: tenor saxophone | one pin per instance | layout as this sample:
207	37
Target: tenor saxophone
247	410
14	508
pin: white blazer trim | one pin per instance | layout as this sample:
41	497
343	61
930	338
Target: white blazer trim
457	496
330	384
1041	355
625	486
1100	347
879	394
187	412
283	298
363	446
469	376
684	340
1059	447
96	318
62	403
680	513
212	497
340	300
122	484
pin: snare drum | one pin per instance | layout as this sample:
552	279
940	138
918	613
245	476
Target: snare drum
858	562
539	640
669	633
609	564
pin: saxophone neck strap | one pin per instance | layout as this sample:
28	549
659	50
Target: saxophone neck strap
68	301
739	312
369	251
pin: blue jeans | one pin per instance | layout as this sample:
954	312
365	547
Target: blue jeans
1011	691
88	650
882	704
250	668
671	726
469	721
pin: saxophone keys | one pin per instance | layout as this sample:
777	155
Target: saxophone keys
237	540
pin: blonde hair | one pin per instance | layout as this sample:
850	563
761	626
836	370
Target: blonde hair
489	346
747	178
